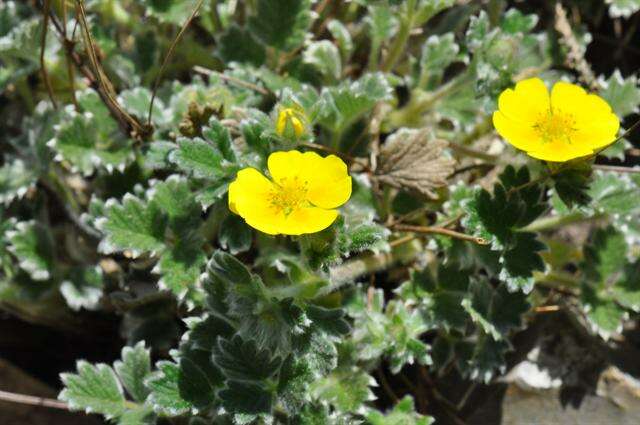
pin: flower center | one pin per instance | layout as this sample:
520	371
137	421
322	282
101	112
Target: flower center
289	194
554	126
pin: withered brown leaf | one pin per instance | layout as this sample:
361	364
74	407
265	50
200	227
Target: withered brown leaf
415	159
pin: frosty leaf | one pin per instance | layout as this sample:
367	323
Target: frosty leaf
402	413
325	57
133	225
180	265
133	369
198	157
293	18
165	392
413	159
342	36
242	360
497	311
83	287
623	8
78	142
246	397
623	94
438	52
382	23
607	283
234	234
346	390
33	245
341	106
15	180
137	101
95	389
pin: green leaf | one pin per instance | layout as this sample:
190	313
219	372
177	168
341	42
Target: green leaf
172	11
133	369
198	157
180	265
623	8
15	180
242	360
343	39
282	24
165	392
330	321
95	389
246	397
402	413
32	244
605	256
86	143
137	101
325	57
382	23
438	52
341	106
572	185
603	313
623	94
345	389
234	234
496	311
82	287
133	225
238	45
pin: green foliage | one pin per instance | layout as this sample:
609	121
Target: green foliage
441	255
99	389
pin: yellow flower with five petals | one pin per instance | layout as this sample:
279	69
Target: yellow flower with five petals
569	123
301	197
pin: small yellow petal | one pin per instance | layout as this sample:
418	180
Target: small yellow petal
520	135
526	102
327	180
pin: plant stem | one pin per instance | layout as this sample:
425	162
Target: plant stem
398	46
552	222
32	400
440	231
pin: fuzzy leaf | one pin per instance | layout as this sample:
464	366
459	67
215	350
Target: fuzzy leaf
95	389
623	8
198	157
413	159
623	94
15	180
402	413
346	390
33	245
165	392
324	55
246	397
78	142
132	225
133	369
243	360
234	234
282	24
82	287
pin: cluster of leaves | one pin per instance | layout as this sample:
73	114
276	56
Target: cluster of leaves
262	329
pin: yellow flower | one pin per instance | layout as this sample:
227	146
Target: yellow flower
302	196
291	122
568	124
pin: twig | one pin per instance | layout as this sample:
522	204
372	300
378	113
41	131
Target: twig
32	400
616	169
168	57
440	231
232	80
43	45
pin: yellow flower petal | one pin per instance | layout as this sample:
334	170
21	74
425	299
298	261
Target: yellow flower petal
250	197
559	151
327	180
306	220
518	134
527	102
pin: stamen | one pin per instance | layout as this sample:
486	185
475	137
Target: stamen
289	194
555	126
